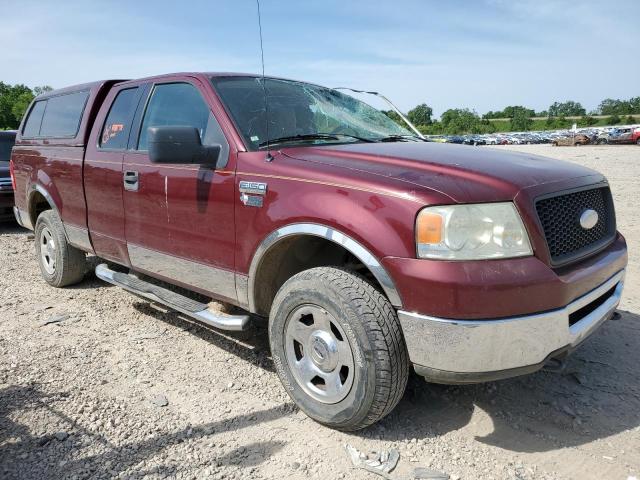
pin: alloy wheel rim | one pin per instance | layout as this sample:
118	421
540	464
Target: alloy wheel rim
48	251
319	354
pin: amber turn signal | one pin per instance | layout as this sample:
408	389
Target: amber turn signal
429	228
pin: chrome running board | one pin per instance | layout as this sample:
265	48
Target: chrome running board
196	310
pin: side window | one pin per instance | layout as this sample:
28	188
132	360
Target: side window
115	132
63	114
32	126
175	104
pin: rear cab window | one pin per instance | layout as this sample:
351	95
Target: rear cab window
56	117
32	127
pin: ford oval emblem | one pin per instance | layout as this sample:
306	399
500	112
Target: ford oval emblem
588	219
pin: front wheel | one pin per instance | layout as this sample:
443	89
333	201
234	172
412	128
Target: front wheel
338	348
638	141
61	264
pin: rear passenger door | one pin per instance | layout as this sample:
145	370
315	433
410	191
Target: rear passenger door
103	172
179	218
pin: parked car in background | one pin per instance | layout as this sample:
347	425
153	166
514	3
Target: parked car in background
572	140
635	136
618	136
7	139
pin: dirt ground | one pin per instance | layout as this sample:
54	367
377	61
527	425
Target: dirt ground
112	387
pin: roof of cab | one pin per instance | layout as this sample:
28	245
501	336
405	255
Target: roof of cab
76	88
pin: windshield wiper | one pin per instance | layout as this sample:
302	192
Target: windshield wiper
311	136
362	139
298	138
395	138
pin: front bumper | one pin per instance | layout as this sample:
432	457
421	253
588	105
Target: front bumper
470	351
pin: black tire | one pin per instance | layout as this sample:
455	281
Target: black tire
67	264
373	333
638	141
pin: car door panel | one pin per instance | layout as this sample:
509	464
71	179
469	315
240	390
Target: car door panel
179	223
103	173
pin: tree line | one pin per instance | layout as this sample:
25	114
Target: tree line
14	101
516	118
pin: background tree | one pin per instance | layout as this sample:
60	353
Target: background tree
420	115
566	109
613	120
521	119
587	121
517	110
463	120
395	117
510	112
14	101
40	90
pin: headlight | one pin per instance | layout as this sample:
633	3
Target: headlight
471	232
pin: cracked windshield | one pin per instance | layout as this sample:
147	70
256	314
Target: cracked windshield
301	113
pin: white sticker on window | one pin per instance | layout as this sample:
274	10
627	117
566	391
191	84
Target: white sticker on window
255	139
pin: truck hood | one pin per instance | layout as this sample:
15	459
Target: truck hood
463	173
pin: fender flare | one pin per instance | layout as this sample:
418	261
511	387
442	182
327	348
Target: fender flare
333	235
37	188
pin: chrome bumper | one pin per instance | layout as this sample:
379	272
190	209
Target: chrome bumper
461	351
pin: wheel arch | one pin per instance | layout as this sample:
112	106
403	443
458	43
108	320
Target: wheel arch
38	201
274	247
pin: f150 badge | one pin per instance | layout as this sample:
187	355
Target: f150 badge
252	193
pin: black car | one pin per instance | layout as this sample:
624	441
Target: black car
7	139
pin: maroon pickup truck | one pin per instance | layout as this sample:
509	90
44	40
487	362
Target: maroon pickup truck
369	250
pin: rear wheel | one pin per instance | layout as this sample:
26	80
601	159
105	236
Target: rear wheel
60	263
338	348
638	141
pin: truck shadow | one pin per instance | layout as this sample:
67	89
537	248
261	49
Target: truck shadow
595	397
22	451
12	228
251	346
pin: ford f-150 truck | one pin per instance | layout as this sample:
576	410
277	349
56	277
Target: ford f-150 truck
231	197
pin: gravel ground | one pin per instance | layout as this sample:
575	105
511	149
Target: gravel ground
95	383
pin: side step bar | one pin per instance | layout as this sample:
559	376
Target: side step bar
175	301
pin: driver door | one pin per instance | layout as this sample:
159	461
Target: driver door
179	222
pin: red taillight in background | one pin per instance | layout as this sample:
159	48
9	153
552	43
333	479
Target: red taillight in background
13	177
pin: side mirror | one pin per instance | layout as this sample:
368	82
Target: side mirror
180	145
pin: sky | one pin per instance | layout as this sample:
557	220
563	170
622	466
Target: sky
483	54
